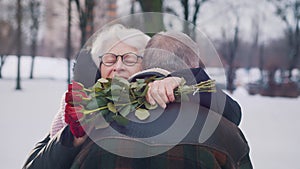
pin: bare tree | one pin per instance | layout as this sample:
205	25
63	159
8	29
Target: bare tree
152	6
254	46
261	62
232	55
86	19
289	13
229	48
194	14
86	25
19	42
189	15
68	42
34	7
5	40
2	61
7	30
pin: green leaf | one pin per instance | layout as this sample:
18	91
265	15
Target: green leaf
150	106
97	87
115	87
100	122
106	91
150	79
101	101
140	80
109	118
141	100
145	91
111	107
120	120
142	114
134	85
103	112
121	81
113	98
134	106
137	93
92	105
124	98
140	86
125	110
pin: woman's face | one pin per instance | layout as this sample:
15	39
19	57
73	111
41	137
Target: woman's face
119	68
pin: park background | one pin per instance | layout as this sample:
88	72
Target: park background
257	41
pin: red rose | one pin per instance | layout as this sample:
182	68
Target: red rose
75	86
72	116
75	96
73	113
77	131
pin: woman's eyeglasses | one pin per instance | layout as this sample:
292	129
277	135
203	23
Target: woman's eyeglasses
129	59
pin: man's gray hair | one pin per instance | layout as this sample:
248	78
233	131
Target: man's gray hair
172	51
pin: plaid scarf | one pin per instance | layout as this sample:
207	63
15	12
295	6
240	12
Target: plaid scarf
186	156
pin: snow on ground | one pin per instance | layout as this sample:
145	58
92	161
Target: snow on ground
271	125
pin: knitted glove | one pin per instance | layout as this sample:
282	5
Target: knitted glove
73	111
58	121
72	116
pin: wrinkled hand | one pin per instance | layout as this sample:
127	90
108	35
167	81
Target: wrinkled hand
162	91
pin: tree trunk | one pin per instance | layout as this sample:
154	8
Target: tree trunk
261	63
19	42
35	13
32	66
155	22
295	50
68	43
1	64
232	55
151	6
86	19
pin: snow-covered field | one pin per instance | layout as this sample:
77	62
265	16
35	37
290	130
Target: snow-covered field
271	125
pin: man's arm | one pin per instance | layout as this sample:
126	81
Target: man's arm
225	105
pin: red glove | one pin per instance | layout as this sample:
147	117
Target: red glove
72	116
73	111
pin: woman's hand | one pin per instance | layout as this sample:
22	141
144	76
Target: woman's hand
162	91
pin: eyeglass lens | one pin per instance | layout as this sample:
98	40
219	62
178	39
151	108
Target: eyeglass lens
128	59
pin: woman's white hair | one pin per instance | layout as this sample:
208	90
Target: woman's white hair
110	36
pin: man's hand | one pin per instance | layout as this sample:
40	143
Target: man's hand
162	91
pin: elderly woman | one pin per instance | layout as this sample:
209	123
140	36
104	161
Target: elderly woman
115	51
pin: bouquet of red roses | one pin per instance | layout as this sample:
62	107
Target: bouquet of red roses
114	99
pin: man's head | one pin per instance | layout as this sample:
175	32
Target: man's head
172	51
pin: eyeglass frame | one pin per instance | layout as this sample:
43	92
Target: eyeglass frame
122	58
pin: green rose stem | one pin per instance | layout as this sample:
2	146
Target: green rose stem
86	112
87	90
